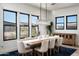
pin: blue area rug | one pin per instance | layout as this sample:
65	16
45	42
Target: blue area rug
62	52
65	51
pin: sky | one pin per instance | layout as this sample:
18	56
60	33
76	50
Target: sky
34	19
23	18
60	20
11	17
69	19
72	18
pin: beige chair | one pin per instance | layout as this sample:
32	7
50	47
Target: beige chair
21	49
51	44
43	48
59	42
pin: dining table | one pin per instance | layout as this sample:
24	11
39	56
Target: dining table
36	42
33	41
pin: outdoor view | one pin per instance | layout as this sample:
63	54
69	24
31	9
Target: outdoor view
10	29
24	25
72	22
9	25
34	25
59	22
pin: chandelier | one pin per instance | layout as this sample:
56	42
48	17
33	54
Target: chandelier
43	21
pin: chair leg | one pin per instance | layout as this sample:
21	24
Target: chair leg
53	51
18	54
22	54
50	52
31	53
58	50
47	53
42	54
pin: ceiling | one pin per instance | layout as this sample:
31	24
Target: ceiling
55	6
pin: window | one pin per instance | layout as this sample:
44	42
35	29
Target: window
9	25
59	23
71	22
24	25
34	25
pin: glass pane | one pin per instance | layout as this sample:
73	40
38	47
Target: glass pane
9	25
60	26
9	17
24	18
23	32
34	31
60	20
71	26
34	26
34	19
24	25
71	18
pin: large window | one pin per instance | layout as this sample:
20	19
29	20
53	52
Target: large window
71	22
9	25
34	25
59	23
24	25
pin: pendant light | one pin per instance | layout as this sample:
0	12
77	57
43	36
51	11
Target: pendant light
43	21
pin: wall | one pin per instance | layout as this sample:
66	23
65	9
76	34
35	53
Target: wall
64	12
11	45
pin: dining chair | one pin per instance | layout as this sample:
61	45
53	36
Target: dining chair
59	43
44	47
21	48
51	45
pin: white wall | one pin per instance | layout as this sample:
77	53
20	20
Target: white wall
11	45
65	12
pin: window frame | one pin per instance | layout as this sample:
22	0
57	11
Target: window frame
4	25
71	22
36	25
28	23
59	23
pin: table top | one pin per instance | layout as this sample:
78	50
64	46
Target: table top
36	41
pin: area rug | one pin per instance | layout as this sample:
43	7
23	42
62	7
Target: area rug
62	52
65	51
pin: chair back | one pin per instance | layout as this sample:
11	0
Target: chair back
59	41
20	46
52	43
44	45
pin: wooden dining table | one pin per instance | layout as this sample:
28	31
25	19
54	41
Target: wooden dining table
31	44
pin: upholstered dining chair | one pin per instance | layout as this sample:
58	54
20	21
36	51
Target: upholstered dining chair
21	49
51	45
44	47
59	42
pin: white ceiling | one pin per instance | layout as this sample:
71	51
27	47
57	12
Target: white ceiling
56	6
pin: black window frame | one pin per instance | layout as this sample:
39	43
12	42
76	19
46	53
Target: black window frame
4	25
59	23
71	22
28	23
36	25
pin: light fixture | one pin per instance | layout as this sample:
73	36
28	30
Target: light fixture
43	21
